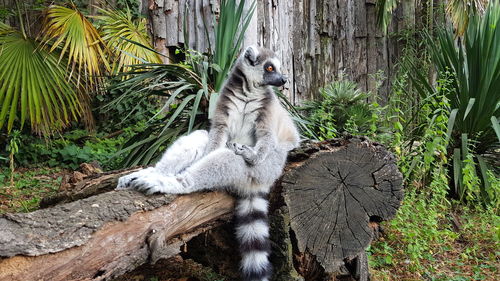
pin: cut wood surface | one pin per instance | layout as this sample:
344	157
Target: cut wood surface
332	193
337	194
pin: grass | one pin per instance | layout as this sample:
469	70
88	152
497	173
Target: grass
464	246
30	186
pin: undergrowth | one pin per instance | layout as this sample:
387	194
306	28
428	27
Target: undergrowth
30	186
434	236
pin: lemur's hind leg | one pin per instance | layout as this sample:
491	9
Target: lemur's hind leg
220	168
183	153
180	155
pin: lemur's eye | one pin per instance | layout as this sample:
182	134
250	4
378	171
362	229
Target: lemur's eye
270	68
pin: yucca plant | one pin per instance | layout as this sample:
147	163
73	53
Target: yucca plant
34	86
474	95
190	87
127	39
229	33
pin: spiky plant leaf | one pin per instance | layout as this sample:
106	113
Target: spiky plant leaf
229	33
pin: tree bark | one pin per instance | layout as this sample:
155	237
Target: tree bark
324	213
317	41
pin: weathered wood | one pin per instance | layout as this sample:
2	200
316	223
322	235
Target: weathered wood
293	262
105	235
340	188
336	193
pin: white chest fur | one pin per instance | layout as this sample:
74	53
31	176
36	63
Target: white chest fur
241	120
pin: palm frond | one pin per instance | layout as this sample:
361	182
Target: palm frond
73	35
127	39
461	10
33	85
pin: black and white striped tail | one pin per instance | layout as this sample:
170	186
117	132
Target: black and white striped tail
252	232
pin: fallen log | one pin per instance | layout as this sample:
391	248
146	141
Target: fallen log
325	210
104	236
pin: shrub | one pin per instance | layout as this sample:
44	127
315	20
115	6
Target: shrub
70	150
343	108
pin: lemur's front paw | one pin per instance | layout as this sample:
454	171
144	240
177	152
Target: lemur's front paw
126	182
240	149
156	183
149	181
245	151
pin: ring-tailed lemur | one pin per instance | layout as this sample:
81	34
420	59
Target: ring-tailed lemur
245	151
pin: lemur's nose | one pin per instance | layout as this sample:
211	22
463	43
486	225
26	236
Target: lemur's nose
284	78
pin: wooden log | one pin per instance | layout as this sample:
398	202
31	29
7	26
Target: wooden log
290	261
90	185
104	236
324	210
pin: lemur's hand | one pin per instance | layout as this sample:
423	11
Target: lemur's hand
245	151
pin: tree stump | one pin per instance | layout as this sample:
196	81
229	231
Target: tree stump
336	193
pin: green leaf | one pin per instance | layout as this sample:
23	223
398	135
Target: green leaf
451	123
194	110
483	167
179	110
457	170
496	126
469	107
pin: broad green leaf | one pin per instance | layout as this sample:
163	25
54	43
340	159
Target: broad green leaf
34	86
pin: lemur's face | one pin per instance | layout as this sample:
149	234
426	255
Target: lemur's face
263	67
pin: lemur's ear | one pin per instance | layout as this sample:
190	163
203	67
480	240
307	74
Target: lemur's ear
251	54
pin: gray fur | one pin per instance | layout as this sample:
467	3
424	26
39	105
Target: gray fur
245	152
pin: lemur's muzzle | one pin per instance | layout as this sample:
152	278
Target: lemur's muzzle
277	80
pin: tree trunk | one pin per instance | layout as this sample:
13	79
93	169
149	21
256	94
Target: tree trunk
323	214
317	41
